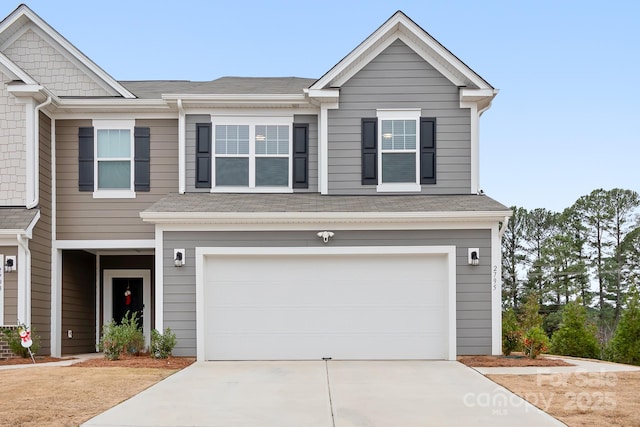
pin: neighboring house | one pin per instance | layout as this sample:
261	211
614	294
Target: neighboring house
258	218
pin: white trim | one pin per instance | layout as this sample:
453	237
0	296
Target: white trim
159	280
24	10
399	26
14	71
182	144
54	184
240	189
397	187
1	289
107	306
104	244
114	194
317	217
496	291
56	303
323	149
24	280
97	308
475	145
449	251
30	153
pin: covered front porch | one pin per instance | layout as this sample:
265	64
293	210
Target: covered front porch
96	286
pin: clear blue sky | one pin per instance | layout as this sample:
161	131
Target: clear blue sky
565	121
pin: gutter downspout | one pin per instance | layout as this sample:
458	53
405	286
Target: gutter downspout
24	271
36	154
503	228
181	148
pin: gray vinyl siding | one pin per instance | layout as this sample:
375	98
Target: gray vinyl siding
400	78
190	151
82	217
10	289
78	302
473	300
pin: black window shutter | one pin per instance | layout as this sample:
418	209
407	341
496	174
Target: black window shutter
85	159
370	151
142	158
203	155
427	150
300	155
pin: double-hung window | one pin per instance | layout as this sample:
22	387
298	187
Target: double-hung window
398	139
252	156
114	159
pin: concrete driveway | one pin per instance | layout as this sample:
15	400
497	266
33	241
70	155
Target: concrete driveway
325	394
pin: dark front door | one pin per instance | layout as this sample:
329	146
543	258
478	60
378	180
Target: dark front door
127	297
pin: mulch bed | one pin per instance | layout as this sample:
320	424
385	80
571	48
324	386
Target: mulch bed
27	361
141	361
509	361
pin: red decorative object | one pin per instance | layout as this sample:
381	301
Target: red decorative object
127	297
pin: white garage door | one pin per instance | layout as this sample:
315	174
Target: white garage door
342	306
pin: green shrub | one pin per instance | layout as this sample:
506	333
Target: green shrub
12	337
624	347
535	342
125	337
162	344
511	332
530	316
576	337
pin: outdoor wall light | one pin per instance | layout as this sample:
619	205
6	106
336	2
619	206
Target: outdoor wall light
474	256
178	257
325	235
10	264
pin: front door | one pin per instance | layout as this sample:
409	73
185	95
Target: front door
128	298
128	291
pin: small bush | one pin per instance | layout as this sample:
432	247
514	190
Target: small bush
162	344
125	337
576	337
624	347
535	342
511	333
12	336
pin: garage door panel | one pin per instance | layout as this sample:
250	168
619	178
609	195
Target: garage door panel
279	307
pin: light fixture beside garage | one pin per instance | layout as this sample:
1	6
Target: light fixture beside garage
325	235
474	256
178	257
10	264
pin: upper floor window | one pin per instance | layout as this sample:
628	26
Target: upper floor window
398	150
398	162
253	156
114	159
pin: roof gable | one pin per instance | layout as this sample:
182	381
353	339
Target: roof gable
24	28
401	27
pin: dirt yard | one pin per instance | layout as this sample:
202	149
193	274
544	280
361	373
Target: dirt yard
69	396
581	399
510	361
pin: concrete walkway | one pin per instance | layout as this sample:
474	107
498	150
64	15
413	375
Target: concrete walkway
579	365
65	362
325	394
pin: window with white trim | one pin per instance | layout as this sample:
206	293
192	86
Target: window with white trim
114	158
253	156
398	161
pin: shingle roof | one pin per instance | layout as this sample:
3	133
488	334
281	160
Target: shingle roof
153	89
16	218
316	203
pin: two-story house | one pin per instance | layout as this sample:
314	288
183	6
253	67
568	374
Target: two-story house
258	218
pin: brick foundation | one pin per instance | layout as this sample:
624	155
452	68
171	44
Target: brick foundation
5	351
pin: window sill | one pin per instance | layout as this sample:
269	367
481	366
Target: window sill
408	187
233	189
114	194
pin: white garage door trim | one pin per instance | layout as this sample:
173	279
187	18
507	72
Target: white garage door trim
449	251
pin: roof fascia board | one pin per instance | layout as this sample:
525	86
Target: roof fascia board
12	70
24	10
294	97
313	217
399	26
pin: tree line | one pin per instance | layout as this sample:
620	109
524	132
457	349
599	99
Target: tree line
587	254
